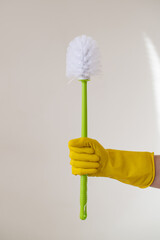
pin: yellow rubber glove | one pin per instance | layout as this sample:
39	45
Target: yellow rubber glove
89	157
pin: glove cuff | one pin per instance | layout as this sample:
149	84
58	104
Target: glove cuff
130	167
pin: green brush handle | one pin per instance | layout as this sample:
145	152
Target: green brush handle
83	181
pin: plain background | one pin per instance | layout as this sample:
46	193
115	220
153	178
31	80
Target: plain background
40	113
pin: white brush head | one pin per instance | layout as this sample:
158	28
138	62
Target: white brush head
83	58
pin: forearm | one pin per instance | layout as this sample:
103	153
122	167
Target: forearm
156	182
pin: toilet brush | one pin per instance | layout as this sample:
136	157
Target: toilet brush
82	62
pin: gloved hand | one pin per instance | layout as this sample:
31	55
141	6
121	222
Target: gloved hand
89	157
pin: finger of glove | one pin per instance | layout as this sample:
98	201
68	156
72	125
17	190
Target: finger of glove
84	157
80	142
82	164
83	171
88	150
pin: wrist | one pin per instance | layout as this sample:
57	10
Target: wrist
156	182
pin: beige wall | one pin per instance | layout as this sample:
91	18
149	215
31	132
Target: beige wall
39	113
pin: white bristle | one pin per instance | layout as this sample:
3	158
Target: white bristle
83	58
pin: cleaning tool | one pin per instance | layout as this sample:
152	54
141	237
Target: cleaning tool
83	61
89	157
